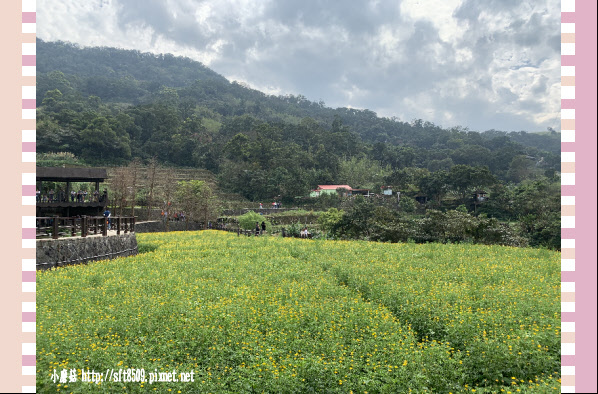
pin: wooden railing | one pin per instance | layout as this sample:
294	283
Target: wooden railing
56	227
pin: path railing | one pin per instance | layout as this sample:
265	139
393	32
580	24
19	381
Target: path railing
56	227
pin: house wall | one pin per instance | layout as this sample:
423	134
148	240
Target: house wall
328	191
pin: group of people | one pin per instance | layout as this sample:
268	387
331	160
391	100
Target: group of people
76	196
177	216
260	229
81	196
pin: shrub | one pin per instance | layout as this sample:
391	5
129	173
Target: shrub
327	220
407	204
247	221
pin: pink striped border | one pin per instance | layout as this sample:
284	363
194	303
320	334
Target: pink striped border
578	195
571	144
28	109
567	195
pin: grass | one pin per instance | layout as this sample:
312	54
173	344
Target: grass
265	314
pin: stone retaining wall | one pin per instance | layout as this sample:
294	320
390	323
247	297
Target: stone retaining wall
263	211
51	253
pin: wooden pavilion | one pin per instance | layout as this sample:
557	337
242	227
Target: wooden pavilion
60	202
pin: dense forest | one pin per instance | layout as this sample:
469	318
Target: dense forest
108	106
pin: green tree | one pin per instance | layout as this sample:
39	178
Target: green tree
53	101
329	219
53	137
520	168
537	206
435	185
472	155
361	172
100	142
356	222
465	179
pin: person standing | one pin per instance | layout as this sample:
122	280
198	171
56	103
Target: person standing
108	215
257	229
263	227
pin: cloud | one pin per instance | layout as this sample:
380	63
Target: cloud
477	63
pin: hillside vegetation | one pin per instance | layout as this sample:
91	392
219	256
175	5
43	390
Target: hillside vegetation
109	107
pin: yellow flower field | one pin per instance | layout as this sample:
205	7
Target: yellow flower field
266	314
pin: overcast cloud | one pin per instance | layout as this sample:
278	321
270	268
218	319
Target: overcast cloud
482	64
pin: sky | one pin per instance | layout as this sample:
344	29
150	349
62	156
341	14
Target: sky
479	64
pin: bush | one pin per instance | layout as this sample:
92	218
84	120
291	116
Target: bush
407	204
461	208
543	230
294	230
327	220
247	221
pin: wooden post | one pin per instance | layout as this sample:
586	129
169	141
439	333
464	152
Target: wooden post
118	225
105	227
55	228
84	226
73	227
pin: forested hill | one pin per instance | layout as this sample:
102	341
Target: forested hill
111	64
108	106
129	76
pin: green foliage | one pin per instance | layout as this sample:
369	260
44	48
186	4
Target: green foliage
108	106
361	172
248	221
461	208
520	169
357	221
294	229
407	204
465	179
100	142
435	185
377	223
537	206
330	219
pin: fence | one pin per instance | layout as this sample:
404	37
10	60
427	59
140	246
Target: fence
56	227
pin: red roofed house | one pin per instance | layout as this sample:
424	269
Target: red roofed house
330	189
